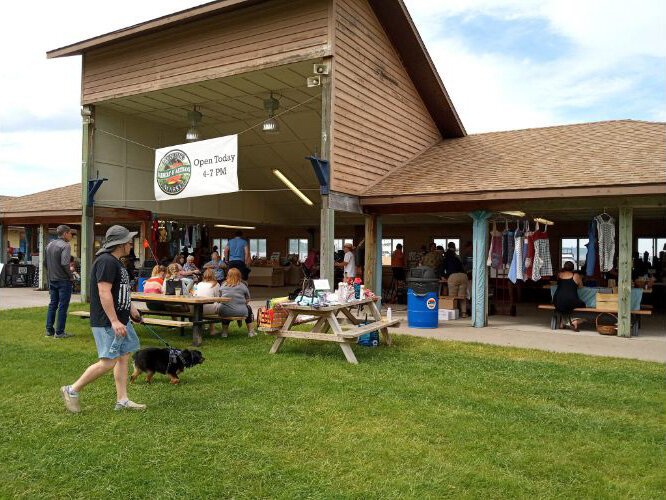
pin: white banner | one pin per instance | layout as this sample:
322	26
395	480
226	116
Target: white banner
197	169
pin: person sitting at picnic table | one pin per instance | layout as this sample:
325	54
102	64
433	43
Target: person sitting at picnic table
566	297
190	269
155	284
217	265
185	276
208	287
237	291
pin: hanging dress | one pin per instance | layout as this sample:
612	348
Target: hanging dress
495	252
542	265
529	255
606	232
516	269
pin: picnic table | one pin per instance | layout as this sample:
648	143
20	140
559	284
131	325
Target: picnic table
197	304
327	328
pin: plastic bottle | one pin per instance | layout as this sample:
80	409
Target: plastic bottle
115	345
389	314
357	291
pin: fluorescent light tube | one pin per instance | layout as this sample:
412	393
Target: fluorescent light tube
291	186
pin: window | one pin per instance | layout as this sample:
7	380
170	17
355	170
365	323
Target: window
220	243
298	247
653	246
444	243
258	247
574	250
388	245
339	243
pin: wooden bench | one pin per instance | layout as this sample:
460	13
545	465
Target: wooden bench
148	321
557	317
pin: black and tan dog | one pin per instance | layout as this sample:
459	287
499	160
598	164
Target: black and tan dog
170	362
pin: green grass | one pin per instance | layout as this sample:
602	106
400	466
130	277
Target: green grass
421	419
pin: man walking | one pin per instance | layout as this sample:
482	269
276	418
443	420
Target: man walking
60	278
110	311
237	254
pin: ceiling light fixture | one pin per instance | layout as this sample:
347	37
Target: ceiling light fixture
291	186
271	125
228	226
514	213
194	117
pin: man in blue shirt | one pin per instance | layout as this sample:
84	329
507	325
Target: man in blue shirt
237	254
217	266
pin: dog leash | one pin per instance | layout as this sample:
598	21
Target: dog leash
171	349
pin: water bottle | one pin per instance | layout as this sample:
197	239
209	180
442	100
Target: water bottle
115	345
389	314
357	291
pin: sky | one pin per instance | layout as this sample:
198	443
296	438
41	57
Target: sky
506	64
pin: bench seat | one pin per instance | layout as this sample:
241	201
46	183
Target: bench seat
148	321
551	307
187	314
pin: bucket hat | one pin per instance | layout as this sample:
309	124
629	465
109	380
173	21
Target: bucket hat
116	235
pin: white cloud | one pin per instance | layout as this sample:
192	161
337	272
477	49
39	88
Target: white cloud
494	91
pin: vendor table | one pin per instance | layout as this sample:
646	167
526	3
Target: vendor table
328	329
197	304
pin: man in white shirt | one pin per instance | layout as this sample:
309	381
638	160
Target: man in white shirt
348	263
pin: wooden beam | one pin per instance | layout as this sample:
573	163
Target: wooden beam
370	265
87	223
530	194
344	203
115	215
624	276
327	216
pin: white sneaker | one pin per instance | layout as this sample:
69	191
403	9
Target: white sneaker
129	405
251	333
71	401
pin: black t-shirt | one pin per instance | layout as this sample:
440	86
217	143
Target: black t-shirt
108	269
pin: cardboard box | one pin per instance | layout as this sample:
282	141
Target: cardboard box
448	314
607	302
448	302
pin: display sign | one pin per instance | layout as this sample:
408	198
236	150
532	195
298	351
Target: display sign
197	169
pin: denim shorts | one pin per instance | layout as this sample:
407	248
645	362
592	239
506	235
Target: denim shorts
104	336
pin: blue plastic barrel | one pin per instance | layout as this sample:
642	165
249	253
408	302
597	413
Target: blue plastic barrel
422	309
140	283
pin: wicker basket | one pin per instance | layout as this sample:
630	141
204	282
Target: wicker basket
606	329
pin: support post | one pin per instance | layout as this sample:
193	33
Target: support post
43	239
143	230
87	223
3	250
370	264
480	270
624	275
326	243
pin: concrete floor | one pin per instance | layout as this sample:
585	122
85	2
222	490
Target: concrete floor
529	329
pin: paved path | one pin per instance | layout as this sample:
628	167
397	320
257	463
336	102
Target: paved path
529	330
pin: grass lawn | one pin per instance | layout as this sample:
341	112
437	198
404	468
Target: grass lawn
422	419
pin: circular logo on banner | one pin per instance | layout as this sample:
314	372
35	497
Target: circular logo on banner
431	303
174	172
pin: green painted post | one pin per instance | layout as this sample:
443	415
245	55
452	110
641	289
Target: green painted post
87	226
624	276
480	270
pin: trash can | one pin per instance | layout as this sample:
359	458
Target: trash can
422	297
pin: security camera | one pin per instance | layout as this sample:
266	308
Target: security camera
314	81
320	69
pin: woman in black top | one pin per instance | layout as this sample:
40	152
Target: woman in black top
566	296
